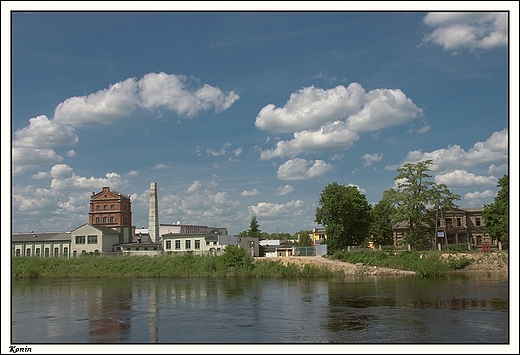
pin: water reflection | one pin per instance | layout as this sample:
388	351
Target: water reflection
209	310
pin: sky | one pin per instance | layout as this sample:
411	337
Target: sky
237	114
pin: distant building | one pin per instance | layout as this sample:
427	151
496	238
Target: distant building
41	244
114	210
208	243
319	236
179	228
461	225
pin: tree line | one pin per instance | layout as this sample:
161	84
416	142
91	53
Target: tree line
415	202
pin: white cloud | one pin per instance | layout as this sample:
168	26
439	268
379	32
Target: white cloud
467	30
220	152
238	151
284	190
73	182
172	92
462	178
370	158
194	186
71	153
159	166
497	169
362	191
27	158
477	195
300	169
252	192
493	151
330	120
267	209
44	133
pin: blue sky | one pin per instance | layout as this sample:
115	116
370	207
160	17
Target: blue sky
236	114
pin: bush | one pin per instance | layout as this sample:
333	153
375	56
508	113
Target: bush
235	257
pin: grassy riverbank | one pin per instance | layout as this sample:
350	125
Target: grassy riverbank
185	265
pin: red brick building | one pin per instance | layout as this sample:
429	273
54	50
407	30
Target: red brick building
114	210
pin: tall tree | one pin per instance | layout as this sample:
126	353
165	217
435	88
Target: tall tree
417	199
254	229
345	214
382	221
496	215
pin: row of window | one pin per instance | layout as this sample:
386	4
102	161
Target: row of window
458	221
187	244
105	220
46	252
105	207
91	239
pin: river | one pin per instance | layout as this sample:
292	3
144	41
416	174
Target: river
458	309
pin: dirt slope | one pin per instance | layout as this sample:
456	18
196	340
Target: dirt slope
482	262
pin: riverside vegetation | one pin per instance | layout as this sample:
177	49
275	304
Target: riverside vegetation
234	262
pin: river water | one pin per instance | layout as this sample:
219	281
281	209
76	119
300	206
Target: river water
458	309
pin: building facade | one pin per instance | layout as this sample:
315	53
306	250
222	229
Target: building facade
208	243
114	210
461	225
47	244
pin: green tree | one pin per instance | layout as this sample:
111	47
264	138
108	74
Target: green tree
254	229
345	214
235	256
496	214
382	221
417	200
305	239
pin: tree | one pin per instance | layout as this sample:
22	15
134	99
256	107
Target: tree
496	215
254	229
417	200
345	214
305	239
382	221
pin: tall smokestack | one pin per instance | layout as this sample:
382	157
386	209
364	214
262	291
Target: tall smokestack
153	214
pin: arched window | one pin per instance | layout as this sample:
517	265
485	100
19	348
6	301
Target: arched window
111	219
17	252
46	252
74	253
37	252
66	252
97	219
56	251
104	220
28	252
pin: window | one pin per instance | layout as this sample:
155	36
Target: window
74	253
46	252
98	207
80	239
56	251
177	244
17	252
92	239
197	244
104	220
207	243
97	219
105	207
111	219
37	251
168	244
111	207
188	244
438	223
28	252
477	221
66	252
459	222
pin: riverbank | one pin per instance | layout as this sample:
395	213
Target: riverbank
494	263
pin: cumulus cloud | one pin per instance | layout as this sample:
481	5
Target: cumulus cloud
493	151
467	30
370	158
252	192
462	178
284	190
220	152
194	186
67	180
43	133
330	120
33	145
300	169
477	195
267	209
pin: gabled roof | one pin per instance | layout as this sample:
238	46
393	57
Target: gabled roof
104	229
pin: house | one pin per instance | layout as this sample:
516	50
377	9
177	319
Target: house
93	239
457	226
207	243
319	236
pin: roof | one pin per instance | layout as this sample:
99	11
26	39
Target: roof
50	236
104	229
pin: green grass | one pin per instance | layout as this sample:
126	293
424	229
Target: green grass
424	264
163	266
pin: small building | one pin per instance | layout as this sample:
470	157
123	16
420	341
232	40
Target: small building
319	236
41	244
139	248
93	239
208	243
